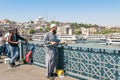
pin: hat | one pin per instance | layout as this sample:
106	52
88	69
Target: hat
53	25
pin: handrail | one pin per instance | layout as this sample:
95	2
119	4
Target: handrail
82	62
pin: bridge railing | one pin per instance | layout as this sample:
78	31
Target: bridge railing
81	62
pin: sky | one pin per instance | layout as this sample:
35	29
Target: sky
100	12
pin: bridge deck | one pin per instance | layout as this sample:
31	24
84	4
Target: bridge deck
25	72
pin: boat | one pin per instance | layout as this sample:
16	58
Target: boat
67	37
94	37
113	40
38	37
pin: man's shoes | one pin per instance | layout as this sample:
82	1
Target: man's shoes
51	78
54	75
12	65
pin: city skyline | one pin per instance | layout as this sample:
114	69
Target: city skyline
102	12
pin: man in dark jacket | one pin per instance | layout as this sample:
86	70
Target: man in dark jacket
13	41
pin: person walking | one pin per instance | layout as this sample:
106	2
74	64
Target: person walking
7	43
51	42
14	49
1	44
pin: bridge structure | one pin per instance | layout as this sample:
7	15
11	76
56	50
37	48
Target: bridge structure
80	62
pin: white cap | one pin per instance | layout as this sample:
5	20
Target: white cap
53	25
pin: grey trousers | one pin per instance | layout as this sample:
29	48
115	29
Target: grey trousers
51	63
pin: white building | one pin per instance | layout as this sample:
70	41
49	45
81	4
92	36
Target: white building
85	31
39	20
64	30
71	31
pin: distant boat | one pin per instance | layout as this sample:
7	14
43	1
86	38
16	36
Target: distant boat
113	40
38	37
67	37
94	37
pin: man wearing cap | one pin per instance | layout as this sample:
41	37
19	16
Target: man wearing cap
51	42
7	44
14	48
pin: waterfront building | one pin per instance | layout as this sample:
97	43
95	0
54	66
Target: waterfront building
85	31
65	31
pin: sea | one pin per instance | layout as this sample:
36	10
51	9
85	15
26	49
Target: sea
88	44
95	44
91	44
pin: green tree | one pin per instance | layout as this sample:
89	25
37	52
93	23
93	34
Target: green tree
12	22
52	22
41	30
7	20
47	29
76	32
32	31
74	25
31	21
107	31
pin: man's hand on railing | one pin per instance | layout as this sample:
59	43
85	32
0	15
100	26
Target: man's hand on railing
16	42
62	42
53	43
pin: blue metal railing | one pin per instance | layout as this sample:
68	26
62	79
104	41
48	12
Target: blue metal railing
81	62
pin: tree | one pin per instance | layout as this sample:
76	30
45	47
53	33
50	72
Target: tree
52	22
47	29
77	32
107	31
74	25
31	22
41	30
12	22
32	31
7	21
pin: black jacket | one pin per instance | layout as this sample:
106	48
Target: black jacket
15	38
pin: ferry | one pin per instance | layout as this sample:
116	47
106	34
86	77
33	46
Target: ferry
94	37
67	37
113	40
38	37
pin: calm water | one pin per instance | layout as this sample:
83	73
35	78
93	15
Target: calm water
92	44
89	44
95	44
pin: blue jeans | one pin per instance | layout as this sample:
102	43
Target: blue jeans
14	53
7	50
1	50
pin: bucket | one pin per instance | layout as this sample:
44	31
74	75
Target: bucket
6	60
59	72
